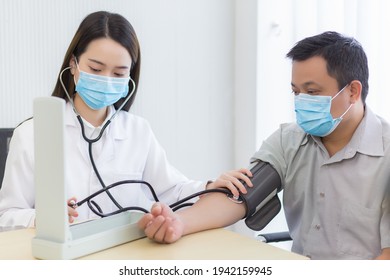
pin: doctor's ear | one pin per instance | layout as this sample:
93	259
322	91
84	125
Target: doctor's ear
355	88
72	65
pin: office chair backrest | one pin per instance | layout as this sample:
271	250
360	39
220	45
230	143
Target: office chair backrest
5	137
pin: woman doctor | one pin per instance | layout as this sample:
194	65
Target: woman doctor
98	80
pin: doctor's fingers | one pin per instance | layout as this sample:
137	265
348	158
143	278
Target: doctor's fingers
223	183
233	180
72	212
246	172
235	175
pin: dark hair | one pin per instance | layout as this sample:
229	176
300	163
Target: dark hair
102	25
345	57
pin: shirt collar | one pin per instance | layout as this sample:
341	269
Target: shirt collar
367	138
71	120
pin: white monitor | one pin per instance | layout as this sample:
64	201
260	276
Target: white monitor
55	237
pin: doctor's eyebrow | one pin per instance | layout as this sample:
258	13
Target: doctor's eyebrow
102	64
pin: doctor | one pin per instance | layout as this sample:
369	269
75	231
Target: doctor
98	80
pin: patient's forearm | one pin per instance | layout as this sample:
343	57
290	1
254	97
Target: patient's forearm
211	211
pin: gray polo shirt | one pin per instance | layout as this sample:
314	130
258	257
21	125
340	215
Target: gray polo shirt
336	207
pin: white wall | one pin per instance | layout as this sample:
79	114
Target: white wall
186	86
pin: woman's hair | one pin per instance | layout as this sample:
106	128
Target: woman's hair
101	25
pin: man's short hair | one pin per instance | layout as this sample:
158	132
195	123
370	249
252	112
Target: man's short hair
345	57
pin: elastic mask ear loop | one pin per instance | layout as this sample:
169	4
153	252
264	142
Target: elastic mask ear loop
78	68
337	94
77	64
341	117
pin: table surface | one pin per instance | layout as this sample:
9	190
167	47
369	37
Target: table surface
216	244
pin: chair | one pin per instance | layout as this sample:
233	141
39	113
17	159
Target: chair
5	137
275	237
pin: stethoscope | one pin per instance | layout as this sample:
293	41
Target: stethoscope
94	207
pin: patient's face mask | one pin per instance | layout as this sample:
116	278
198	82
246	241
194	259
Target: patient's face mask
313	114
101	91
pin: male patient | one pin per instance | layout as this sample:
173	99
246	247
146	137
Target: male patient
334	162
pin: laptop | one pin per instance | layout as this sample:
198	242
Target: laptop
55	237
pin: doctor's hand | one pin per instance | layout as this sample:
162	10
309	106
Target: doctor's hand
161	224
231	181
72	212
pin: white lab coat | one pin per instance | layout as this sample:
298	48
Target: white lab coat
127	150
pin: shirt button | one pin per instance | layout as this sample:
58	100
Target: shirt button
317	227
322	194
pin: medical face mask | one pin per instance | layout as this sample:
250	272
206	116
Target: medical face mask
101	91
313	114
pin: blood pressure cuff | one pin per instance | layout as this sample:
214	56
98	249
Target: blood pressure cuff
262	201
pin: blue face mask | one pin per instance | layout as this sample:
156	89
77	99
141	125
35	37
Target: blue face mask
101	91
313	114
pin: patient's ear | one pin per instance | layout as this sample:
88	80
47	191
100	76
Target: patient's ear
355	88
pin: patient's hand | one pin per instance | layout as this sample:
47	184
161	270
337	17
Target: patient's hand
161	224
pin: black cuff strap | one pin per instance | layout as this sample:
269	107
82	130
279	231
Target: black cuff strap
261	200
